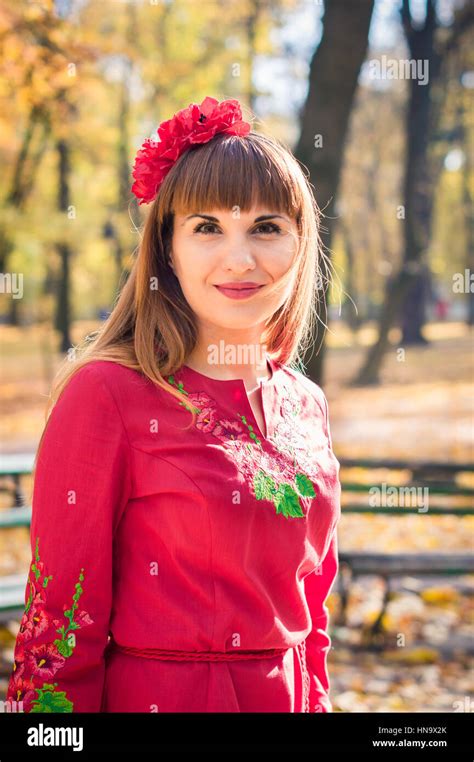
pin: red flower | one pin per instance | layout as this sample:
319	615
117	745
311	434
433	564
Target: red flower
190	126
227	429
201	400
37	622
20	689
44	661
18	662
207	419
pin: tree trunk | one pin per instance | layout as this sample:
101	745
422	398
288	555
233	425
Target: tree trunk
251	30
25	168
333	76
467	203
419	181
123	166
350	311
406	293
63	316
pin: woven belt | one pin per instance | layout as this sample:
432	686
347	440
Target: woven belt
158	653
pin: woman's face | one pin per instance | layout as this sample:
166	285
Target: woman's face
217	248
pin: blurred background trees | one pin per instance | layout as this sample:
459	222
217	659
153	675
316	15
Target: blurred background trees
389	153
390	158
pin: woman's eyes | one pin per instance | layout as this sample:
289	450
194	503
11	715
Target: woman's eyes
201	227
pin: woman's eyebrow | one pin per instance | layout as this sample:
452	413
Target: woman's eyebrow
262	218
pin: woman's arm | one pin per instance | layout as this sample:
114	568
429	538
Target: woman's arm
81	487
318	585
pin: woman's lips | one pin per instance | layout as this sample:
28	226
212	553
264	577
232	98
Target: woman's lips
239	293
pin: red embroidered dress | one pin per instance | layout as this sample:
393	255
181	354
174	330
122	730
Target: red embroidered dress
205	553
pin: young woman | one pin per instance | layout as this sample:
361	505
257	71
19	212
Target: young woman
186	494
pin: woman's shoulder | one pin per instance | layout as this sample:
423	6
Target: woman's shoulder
97	380
105	368
106	371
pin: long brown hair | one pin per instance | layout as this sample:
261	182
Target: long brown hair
152	328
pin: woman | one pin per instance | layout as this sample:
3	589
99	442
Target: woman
186	494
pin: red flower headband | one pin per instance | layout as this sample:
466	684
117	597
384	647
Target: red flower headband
191	126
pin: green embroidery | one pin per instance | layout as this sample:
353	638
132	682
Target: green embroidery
47	697
304	485
51	700
252	434
284	495
181	389
37	573
287	501
66	645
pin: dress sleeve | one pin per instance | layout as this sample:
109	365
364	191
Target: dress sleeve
318	585
81	487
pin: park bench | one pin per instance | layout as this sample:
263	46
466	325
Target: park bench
12	596
440	479
12	469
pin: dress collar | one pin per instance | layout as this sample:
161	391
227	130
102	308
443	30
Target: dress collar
275	378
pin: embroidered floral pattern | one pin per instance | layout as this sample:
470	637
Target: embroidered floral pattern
285	478
35	666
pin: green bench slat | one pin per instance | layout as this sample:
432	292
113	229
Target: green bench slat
15	517
403	465
16	464
435	510
433	487
12	593
386	564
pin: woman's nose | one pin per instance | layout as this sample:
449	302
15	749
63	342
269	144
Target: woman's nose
238	253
